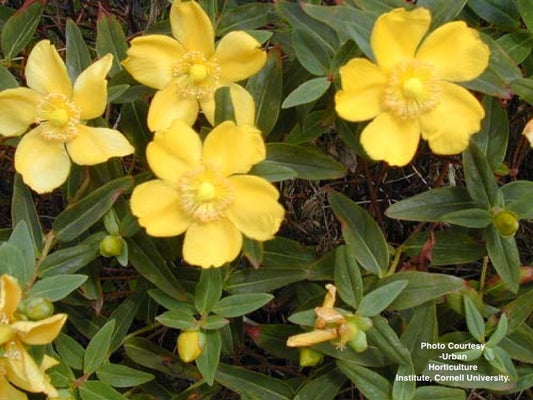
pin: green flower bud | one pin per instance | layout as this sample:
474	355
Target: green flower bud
310	357
358	342
190	345
506	223
111	246
363	323
37	308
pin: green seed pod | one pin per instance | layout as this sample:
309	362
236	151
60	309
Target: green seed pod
358	342
190	345
111	246
506	223
310	357
37	308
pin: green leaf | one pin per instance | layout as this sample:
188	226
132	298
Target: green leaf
272	171
307	92
500	332
21	238
98	347
224	110
122	376
373	385
384	337
523	88
524	7
11	258
519	309
78	56
362	234
208	361
438	393
263	279
57	287
310	128
70	350
430	206
325	387
95	390
517	190
241	304
177	320
348	276
253	251
7	80
504	256
379	299
314	56
214	322
404	389
123	316
170	303
517	44
247	16
20	27
469	218
496	12
474	320
23	209
442	10
133	124
519	344
208	290
263	387
480	181
82	215
110	39
308	162
67	261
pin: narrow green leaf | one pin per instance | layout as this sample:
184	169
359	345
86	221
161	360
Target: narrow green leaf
253	251
170	303
523	88
123	316
442	10
70	350
307	92
214	322
504	256
273	172
208	290
20	27
263	279
312	53
11	258
519	309
133	124
23	209
241	304
177	320
526	12
379	299
7	80
404	389
78	57
208	361
247	16
21	238
98	347
480	181
57	287
325	387
474	320
224	110
348	278
122	376
517	44
384	337
96	390
439	393
370	383
68	261
469	218
499	13
500	332
110	39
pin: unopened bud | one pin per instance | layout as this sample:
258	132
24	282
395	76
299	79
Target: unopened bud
37	308
111	246
190	345
310	357
358	342
506	223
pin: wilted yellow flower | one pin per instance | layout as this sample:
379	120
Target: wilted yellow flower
187	70
16	365
59	109
201	190
409	92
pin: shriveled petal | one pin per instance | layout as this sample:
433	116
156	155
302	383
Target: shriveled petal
9	392
255	210
43	164
17	110
239	56
174	151
157	205
397	34
230	149
168	105
456	51
391	139
151	59
211	244
10	295
46	72
192	27
449	126
90	88
311	338
97	145
40	332
363	88
243	105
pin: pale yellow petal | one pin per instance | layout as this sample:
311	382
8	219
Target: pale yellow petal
174	151
391	139
231	149
168	105
456	118
255	210
43	164
456	51
17	110
48	362
43	331
239	56
192	27
311	338
157	205
397	34
96	145
151	59
8	392
363	88
211	244
10	295
46	72
90	88
243	105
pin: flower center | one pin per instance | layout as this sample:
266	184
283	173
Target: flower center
205	194
196	76
412	89
58	118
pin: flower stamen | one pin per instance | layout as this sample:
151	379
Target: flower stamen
58	118
196	76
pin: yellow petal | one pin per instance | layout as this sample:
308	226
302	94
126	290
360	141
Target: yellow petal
168	105
391	139
311	338
40	332
363	88
449	126
192	27
46	72
231	149
151	59
255	210
243	105
10	295
397	34
456	51
90	88
48	362
17	110
211	244
9	392
157	205
43	164
174	151
239	56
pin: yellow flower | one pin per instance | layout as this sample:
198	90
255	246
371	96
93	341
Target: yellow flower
16	364
59	109
528	131
202	190
187	70
409	91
